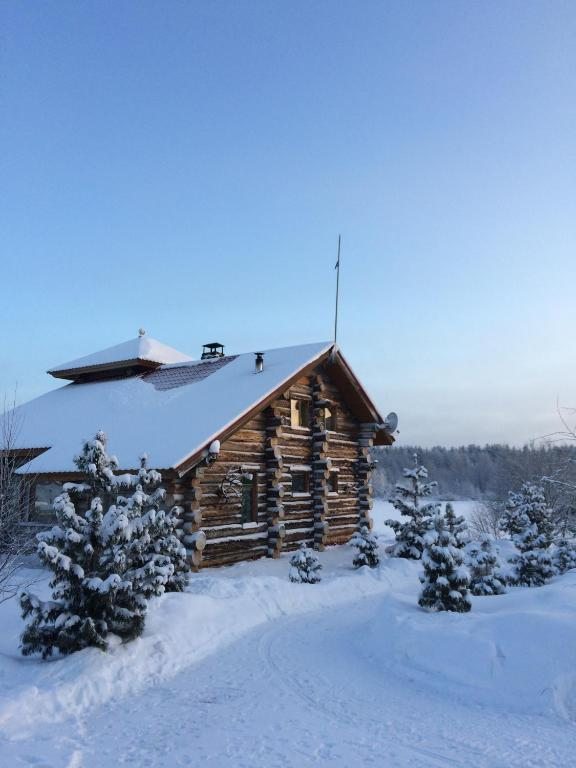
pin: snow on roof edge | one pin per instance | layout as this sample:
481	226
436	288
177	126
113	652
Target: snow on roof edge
247	410
143	347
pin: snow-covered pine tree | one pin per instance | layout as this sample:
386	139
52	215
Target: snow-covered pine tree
408	501
105	563
483	564
528	520
564	557
158	558
533	563
90	600
445	579
529	502
366	545
457	525
305	566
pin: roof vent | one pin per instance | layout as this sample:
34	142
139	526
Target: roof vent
214	349
259	362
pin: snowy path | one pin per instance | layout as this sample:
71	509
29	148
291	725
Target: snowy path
285	696
246	670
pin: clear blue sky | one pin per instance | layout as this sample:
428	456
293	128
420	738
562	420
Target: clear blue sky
187	166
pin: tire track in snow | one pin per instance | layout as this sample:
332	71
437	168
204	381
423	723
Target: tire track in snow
398	724
316	704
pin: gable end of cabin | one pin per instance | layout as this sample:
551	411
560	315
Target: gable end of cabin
298	470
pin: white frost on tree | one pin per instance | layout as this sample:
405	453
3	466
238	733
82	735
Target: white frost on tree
158	557
564	555
533	563
410	501
366	545
305	566
445	579
457	525
528	520
484	568
109	553
529	503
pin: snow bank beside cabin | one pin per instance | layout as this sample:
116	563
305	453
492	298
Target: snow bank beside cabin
512	653
182	628
515	653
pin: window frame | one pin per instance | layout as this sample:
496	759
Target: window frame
41	510
249	503
297	406
334	482
305	475
332	410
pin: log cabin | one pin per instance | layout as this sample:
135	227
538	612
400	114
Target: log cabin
259	451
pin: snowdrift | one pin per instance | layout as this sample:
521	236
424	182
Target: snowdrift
182	629
515	652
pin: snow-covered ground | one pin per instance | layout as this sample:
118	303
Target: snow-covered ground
247	669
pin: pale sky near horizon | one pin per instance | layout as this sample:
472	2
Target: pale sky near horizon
187	166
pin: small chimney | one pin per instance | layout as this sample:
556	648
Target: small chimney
259	362
214	349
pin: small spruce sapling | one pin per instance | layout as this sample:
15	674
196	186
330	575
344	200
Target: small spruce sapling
157	556
305	566
529	503
533	563
457	525
445	579
408	501
564	557
484	569
366	545
528	520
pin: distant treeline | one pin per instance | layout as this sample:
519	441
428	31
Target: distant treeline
474	472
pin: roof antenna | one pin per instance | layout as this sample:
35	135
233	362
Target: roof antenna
337	268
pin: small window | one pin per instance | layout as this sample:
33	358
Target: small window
300	413
300	482
249	499
45	493
330	418
333	482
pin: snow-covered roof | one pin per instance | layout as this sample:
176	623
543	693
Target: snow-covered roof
141	349
171	413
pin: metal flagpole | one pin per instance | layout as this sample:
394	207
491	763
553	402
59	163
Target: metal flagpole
337	268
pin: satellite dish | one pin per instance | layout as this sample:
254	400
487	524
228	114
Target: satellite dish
391	422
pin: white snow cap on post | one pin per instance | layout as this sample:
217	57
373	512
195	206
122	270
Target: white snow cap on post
214	448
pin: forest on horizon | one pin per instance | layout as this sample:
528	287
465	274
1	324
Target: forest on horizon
476	472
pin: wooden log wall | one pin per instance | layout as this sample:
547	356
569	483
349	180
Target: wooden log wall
364	474
296	447
228	539
274	485
271	448
321	465
342	442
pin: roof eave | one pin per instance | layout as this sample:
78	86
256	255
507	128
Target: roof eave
88	370
334	359
194	458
